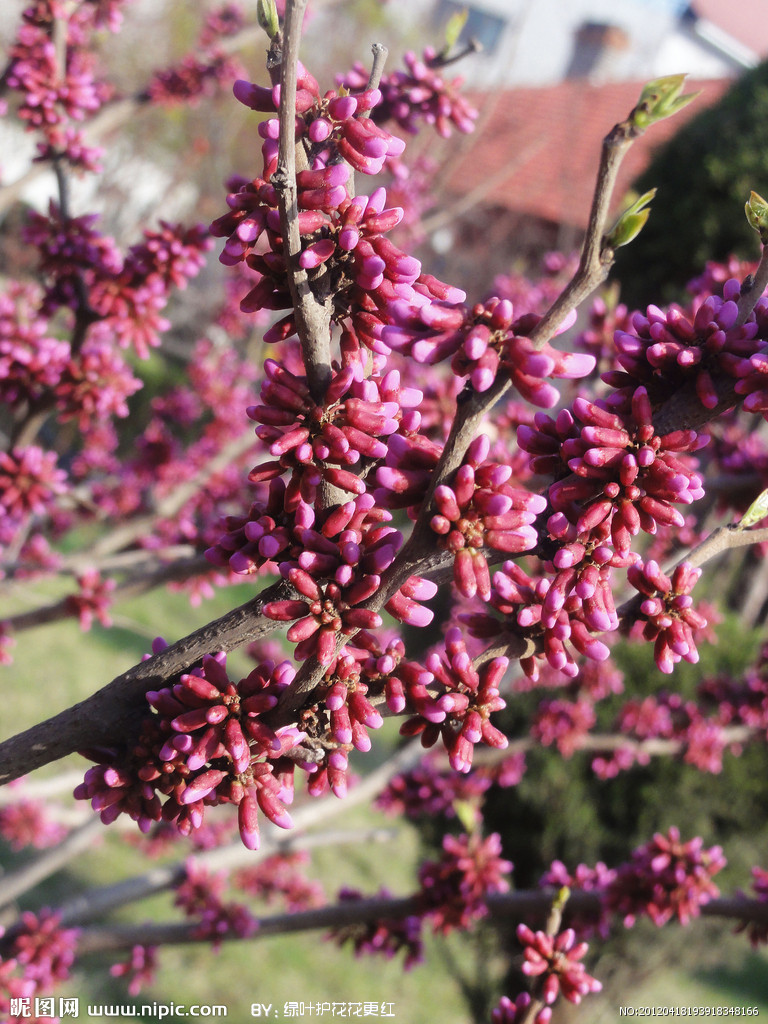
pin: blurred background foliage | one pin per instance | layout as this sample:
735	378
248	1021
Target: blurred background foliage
704	175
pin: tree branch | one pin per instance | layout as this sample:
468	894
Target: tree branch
519	905
312	316
112	713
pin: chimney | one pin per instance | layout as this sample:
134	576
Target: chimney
596	49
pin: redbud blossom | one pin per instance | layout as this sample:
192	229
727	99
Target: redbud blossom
556	960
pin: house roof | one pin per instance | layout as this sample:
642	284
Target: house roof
536	150
745	21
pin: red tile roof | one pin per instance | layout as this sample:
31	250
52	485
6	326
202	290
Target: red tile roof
537	149
746	21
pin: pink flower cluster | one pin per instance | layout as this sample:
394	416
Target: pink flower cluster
480	508
564	723
460	713
199	895
519	1012
481	340
28	823
615	477
57	89
207	69
343	238
39	956
386	936
666	878
419	93
620	477
205	745
92	600
280	879
556	961
30	481
585	879
558	627
319	442
453	889
671	622
125	294
139	969
427	792
336	569
667	349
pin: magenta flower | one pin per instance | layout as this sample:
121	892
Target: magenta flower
44	951
338	568
666	878
93	599
518	1012
453	889
556	960
31	362
386	937
199	895
564	723
427	791
94	384
665	350
617	477
140	968
268	531
667	611
419	93
481	341
460	712
50	97
29	482
522	602
27	823
281	880
586	879
205	745
481	509
314	441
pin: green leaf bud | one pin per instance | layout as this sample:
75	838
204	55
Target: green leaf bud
266	13
659	99
454	28
757	510
756	210
631	222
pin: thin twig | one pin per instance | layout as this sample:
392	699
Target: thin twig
16	883
380	52
596	259
752	288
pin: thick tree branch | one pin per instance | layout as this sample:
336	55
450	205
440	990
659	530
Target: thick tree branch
312	316
112	713
503	907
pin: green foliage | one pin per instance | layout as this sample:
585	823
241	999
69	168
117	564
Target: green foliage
631	222
562	810
704	175
663	97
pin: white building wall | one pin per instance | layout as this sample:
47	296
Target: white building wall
537	41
